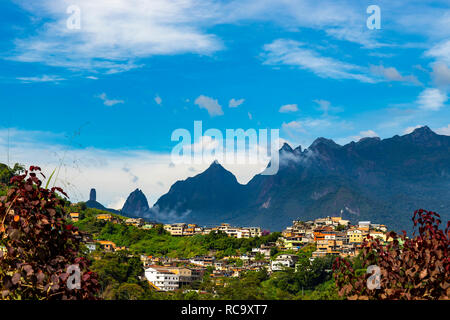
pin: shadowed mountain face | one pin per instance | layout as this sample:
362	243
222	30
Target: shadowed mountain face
379	180
136	205
201	199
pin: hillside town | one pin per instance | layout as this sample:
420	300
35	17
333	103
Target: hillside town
327	236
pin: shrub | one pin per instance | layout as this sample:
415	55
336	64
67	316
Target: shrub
38	246
417	269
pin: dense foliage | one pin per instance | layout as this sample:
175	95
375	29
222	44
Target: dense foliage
416	268
36	244
6	173
157	241
121	276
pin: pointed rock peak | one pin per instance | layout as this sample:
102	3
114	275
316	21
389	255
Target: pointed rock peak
136	203
324	142
137	193
422	131
298	149
216	165
423	135
215	168
214	172
93	195
286	148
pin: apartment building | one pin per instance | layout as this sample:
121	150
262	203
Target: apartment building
355	235
239	232
137	222
264	250
162	278
184	275
202	261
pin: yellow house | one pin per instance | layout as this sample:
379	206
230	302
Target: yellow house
107	245
293	244
355	236
74	216
105	216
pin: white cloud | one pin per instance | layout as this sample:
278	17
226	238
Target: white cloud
249	115
288	108
293	125
365	134
408	130
109	171
339	19
211	105
233	103
115	33
392	74
441	51
441	74
43	78
431	99
116	204
206	143
444	130
306	125
158	99
326	107
294	53
108	102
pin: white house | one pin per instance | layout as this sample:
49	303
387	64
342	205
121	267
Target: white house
284	261
162	278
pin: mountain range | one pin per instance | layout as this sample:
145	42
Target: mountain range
383	181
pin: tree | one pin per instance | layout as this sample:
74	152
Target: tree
6	173
273	251
418	269
129	291
38	245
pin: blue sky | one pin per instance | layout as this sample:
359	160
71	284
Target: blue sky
102	101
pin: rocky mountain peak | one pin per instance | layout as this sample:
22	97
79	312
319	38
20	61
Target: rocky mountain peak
93	195
136	204
323	142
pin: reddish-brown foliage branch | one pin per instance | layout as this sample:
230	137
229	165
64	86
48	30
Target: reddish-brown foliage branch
36	244
411	268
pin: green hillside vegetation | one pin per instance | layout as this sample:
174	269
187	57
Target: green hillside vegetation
6	173
121	273
157	241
